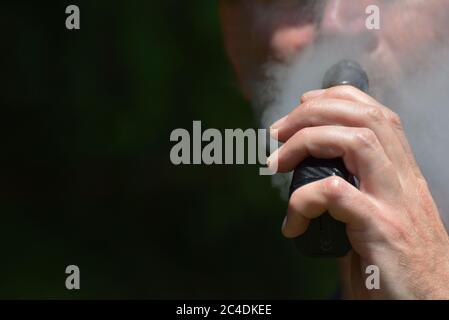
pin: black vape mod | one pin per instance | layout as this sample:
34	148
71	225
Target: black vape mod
325	236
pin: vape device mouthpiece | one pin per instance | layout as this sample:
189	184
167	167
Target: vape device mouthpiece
346	72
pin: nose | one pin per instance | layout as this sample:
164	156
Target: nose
345	17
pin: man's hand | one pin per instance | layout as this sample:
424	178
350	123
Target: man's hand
392	220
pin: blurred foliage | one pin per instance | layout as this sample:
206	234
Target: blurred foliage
85	172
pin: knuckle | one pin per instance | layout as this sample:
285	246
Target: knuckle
375	114
422	182
364	138
307	106
334	187
305	133
343	90
394	119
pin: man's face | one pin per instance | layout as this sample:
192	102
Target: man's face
258	31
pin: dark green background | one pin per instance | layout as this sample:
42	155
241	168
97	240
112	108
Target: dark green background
85	174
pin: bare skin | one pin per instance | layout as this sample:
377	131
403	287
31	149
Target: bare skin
392	220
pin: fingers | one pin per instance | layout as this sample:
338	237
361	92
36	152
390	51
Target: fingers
344	93
348	106
314	107
360	149
353	94
324	111
343	201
